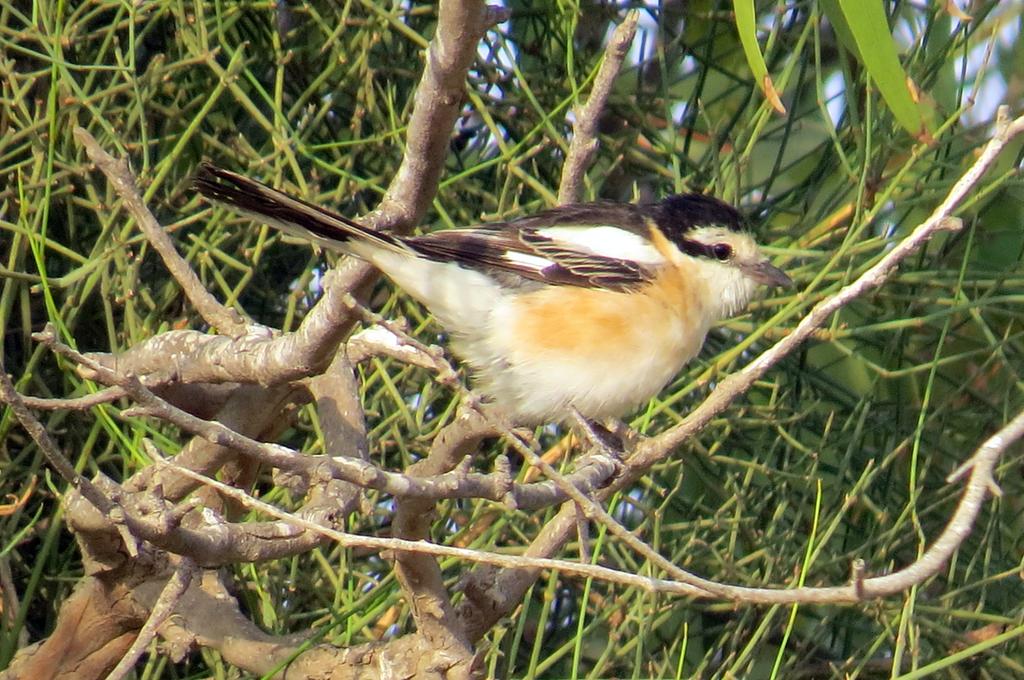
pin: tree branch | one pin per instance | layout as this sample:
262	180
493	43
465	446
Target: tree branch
164	606
419	575
254	355
224	319
584	130
337	465
437	104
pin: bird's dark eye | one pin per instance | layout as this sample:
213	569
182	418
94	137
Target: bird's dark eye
721	251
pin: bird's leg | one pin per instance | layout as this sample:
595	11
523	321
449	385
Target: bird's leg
605	440
622	433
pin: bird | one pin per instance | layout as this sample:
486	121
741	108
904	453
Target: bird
588	309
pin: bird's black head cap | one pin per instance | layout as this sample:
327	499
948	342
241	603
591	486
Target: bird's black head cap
678	214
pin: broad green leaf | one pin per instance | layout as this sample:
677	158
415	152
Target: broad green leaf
865	24
746	26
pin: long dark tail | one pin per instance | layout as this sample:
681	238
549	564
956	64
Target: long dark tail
291	215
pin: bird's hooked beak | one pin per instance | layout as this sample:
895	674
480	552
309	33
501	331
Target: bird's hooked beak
770	275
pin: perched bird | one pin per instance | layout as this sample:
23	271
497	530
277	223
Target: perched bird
593	306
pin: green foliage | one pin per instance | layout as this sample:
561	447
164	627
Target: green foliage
840	453
863	28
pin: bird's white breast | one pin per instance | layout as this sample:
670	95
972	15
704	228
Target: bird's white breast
603	352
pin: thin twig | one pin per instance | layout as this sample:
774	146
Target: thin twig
9	395
738	383
984	461
83	403
656	449
226	320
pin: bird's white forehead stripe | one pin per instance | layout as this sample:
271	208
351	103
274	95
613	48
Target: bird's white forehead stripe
607	241
532	261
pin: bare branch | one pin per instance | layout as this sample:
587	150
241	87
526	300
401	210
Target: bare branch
379	341
439	96
248	411
224	319
336	392
584	130
164	607
738	383
423	547
257	357
419	575
82	403
261	356
342	467
210	616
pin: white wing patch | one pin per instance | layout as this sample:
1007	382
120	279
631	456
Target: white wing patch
534	262
607	241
